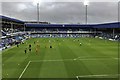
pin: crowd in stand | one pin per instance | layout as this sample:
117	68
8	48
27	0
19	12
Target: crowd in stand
8	40
110	36
59	35
52	30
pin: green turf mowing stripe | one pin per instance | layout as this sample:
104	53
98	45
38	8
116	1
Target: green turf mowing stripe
92	57
73	68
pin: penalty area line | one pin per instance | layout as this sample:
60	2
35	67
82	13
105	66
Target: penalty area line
52	60
24	70
95	58
104	75
75	59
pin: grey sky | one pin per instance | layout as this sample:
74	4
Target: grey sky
63	12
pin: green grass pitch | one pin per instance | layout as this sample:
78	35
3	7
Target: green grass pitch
95	58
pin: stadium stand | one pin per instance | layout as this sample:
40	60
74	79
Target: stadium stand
106	31
15	31
12	32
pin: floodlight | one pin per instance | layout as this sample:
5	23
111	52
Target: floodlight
86	2
35	2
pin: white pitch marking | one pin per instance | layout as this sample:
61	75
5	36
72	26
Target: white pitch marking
77	77
24	70
94	58
116	58
82	59
104	75
53	60
74	59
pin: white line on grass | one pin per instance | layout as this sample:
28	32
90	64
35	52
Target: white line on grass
24	70
116	58
88	57
59	60
82	59
77	77
95	59
104	75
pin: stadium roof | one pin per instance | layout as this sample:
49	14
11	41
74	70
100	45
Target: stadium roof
11	19
36	25
105	25
108	25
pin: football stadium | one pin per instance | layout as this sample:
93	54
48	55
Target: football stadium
36	50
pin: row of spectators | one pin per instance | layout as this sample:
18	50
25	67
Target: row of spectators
8	42
51	30
60	35
6	31
110	36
